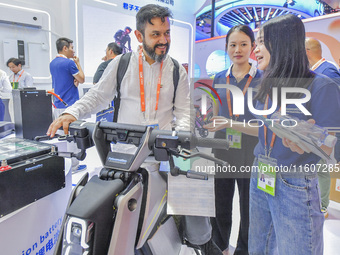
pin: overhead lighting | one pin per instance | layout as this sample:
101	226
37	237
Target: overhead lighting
268	13
290	2
104	2
256	17
201	23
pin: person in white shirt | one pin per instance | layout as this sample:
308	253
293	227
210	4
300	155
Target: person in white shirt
5	92
154	34
19	76
152	64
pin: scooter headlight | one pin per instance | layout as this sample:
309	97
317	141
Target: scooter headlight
78	236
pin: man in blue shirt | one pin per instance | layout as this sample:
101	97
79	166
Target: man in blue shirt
319	65
66	75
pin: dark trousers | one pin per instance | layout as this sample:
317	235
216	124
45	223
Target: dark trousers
221	224
224	193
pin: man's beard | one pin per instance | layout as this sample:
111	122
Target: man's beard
152	51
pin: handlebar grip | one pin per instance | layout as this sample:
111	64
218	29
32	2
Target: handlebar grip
44	137
122	126
196	175
213	143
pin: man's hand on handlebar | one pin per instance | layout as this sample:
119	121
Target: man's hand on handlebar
62	121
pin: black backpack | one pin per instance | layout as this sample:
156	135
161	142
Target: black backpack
122	67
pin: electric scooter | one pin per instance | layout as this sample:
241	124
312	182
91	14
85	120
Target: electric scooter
123	210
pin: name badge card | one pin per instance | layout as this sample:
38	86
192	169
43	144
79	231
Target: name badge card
234	138
266	178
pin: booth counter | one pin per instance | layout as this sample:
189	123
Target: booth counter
34	228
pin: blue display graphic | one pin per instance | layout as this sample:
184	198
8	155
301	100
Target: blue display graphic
217	61
197	71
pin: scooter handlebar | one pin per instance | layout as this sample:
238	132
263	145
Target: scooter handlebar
189	140
185	139
213	143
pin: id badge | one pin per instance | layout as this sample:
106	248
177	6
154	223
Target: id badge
234	138
15	85
266	178
147	121
153	124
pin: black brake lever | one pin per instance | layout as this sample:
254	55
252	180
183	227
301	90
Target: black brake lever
80	155
68	138
45	137
183	153
175	171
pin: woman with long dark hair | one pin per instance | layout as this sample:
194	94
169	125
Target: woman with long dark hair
290	218
285	209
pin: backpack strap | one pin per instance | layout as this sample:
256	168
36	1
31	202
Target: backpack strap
175	75
122	67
